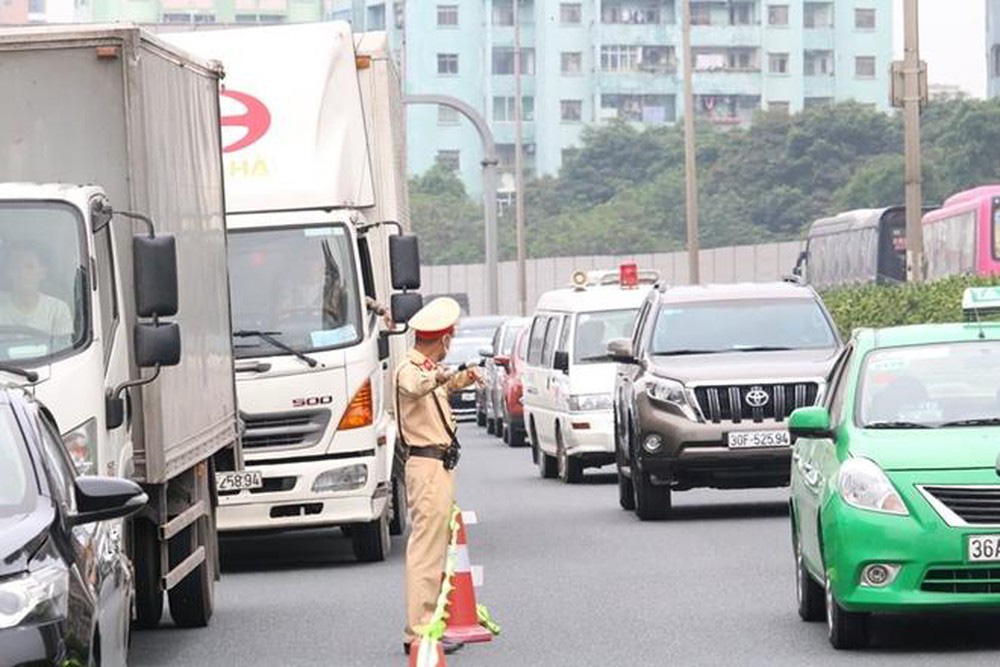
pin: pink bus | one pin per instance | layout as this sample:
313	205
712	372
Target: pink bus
963	236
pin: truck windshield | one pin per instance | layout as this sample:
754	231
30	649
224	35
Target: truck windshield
43	281
298	285
747	325
17	480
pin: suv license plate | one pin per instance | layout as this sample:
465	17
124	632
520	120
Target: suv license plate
238	481
984	548
758	439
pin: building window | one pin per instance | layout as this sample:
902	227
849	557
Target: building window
447	16
619	58
701	14
376	17
571	62
36	6
447	115
633	13
571	111
742	60
778	107
777	63
817	63
447	63
864	67
188	17
864	19
260	19
504	107
777	15
811	102
503	12
653	109
503	60
570	13
450	159
818	15
740	13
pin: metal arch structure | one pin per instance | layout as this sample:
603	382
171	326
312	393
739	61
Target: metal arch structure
489	163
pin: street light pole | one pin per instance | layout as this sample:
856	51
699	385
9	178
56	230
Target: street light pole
912	97
690	155
522	287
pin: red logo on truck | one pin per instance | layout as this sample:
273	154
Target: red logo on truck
256	119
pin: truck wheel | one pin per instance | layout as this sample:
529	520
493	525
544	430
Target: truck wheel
847	630
370	541
146	559
570	469
652	502
809	594
397	526
191	602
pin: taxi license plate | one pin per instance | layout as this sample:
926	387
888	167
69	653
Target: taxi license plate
984	548
238	481
758	439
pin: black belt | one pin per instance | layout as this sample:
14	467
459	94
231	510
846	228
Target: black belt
430	452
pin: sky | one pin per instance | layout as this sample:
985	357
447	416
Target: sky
952	41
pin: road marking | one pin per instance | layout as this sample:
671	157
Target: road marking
469	517
477	575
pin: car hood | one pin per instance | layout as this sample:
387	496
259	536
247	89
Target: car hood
930	449
745	366
592	378
21	535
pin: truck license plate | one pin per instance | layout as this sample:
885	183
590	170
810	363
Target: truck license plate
755	439
984	548
238	481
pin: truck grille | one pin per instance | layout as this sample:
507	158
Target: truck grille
285	429
754	402
975	505
964	580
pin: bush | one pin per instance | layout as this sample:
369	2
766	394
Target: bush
895	305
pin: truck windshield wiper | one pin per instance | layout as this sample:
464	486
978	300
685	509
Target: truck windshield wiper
30	376
897	424
682	353
759	348
978	421
269	337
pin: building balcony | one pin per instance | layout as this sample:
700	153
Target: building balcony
638	83
726	35
819	86
660	34
728	83
503	131
819	39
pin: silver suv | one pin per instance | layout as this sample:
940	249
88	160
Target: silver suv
706	384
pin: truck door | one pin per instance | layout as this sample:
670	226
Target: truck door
114	343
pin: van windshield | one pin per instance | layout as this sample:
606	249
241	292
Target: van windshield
295	285
595	330
43	281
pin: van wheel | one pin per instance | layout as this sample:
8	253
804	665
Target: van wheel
547	465
652	501
146	559
570	469
397	526
370	541
847	630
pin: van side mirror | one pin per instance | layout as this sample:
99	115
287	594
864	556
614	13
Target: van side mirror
404	262
155	274
103	498
405	305
560	361
620	350
157	344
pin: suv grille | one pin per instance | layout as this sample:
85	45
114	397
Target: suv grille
754	402
973	505
965	580
285	429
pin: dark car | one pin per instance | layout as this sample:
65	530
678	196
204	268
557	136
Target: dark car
65	582
706	385
480	328
464	352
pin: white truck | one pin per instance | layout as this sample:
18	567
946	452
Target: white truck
317	212
114	300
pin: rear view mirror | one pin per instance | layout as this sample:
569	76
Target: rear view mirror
404	262
620	350
560	361
103	498
157	345
155	273
405	305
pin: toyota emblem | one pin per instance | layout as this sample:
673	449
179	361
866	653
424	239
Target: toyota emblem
757	397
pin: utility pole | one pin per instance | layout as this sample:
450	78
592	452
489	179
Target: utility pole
913	99
522	287
690	156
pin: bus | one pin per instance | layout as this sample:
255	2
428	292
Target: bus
963	236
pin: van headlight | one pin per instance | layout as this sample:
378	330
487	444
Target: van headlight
862	484
81	442
665	390
40	595
589	402
347	478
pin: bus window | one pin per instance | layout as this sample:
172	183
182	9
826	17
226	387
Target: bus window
996	229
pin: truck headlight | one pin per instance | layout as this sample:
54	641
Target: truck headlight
673	392
347	478
81	442
862	484
589	402
38	596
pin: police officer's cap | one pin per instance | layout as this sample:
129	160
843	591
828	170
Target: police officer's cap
436	319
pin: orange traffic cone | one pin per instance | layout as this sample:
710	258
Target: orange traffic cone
415	655
463	621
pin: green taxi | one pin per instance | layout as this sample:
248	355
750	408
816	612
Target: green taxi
895	490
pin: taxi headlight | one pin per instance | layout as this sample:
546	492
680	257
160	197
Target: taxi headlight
347	478
81	442
589	402
38	596
862	484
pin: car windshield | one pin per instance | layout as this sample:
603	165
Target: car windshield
595	330
298	286
509	338
17	480
472	328
745	325
953	384
465	350
43	281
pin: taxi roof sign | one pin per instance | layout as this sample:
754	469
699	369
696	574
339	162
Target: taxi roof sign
978	301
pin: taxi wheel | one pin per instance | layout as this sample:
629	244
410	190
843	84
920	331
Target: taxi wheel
847	630
570	469
810	595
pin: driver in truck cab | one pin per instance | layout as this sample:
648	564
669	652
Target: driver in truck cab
23	304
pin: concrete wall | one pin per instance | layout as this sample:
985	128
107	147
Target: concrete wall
752	263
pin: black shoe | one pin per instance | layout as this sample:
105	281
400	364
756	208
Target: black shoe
449	646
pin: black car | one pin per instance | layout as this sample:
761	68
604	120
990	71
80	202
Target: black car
65	582
464	352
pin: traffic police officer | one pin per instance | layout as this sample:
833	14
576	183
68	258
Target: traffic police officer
427	433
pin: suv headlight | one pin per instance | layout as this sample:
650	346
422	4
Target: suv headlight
38	596
862	484
670	391
589	402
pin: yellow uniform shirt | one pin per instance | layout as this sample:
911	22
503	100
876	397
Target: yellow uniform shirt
418	388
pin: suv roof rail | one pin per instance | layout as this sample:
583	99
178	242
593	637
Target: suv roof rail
793	279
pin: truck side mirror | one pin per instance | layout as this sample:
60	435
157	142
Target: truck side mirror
404	262
405	305
157	345
155	273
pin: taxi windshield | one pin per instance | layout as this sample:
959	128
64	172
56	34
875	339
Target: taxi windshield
930	386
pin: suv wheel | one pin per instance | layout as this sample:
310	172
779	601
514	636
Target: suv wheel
652	501
626	492
847	630
570	469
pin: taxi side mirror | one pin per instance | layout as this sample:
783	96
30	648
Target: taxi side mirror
812	422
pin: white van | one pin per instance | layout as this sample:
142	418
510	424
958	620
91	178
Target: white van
568	376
